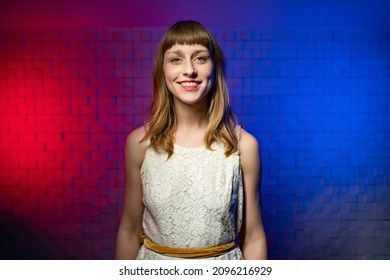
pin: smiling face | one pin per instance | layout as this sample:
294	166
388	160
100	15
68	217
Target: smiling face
188	72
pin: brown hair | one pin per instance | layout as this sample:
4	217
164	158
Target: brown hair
162	122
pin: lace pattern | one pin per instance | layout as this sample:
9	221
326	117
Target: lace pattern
192	200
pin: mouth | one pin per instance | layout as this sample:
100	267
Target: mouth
190	85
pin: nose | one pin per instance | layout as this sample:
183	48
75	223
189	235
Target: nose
189	69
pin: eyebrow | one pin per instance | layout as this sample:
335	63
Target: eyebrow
180	52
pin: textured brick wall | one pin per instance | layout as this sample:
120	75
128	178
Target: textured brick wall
317	100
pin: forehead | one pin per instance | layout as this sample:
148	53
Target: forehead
183	48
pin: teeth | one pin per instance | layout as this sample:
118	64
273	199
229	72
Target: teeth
189	84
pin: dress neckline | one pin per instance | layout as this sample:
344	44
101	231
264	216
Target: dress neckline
189	148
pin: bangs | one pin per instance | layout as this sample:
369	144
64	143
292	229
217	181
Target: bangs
187	33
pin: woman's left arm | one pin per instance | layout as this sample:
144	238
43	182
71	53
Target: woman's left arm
252	237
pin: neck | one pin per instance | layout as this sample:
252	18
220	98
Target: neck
191	117
192	124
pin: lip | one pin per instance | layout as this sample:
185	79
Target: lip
190	81
189	84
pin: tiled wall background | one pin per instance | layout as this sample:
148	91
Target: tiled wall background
317	100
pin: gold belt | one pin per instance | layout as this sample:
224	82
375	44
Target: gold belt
209	252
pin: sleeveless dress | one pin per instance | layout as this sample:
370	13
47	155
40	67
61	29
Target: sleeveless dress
192	200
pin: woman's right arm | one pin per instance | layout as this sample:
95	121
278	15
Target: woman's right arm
127	243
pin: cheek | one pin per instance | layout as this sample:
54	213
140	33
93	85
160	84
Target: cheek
168	81
170	74
211	76
211	72
169	85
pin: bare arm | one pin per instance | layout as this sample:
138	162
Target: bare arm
127	243
253	239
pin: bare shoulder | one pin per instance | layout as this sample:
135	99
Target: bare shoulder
135	137
250	162
135	149
248	143
249	152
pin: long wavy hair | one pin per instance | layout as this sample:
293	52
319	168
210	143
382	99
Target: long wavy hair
162	122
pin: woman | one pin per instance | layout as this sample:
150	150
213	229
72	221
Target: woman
192	173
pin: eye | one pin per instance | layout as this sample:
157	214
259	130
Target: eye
201	59
176	60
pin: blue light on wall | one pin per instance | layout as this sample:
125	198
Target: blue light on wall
318	101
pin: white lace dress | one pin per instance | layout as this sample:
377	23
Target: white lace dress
192	200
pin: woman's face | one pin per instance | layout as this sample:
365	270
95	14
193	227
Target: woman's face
188	72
